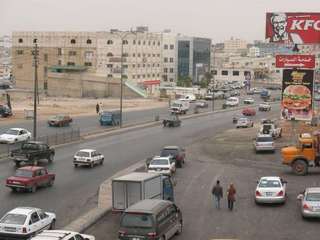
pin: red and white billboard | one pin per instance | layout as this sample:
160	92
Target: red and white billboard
295	61
297	28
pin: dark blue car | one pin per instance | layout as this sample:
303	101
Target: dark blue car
109	118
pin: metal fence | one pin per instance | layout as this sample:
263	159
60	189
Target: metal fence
52	139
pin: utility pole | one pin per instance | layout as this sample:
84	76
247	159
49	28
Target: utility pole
121	81
213	52
35	54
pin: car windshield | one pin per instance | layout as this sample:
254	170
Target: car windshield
134	220
269	184
82	154
30	146
23	173
12	132
315	196
17	219
167	152
243	120
159	162
176	105
264	139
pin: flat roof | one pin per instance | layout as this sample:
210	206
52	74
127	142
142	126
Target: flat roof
136	176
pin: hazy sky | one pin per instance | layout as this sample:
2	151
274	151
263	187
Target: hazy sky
216	19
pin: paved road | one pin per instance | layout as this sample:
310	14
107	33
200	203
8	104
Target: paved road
75	190
88	124
210	159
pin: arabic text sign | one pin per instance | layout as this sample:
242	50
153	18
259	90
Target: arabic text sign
295	61
299	28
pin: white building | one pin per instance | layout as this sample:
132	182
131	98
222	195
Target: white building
254	52
169	61
235	45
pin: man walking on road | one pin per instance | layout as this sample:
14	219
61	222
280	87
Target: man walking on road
97	108
231	195
217	193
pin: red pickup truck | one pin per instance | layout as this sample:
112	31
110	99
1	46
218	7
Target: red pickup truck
30	178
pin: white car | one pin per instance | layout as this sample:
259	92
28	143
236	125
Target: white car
62	235
264	142
25	222
232	102
271	190
14	135
248	101
188	98
87	157
310	202
162	165
264	107
244	123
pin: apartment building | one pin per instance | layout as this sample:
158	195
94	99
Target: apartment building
235	45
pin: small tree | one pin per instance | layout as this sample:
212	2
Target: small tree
184	81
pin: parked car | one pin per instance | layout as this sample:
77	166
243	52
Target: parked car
62	235
151	219
234	93
232	102
172	121
25	222
30	178
202	104
59	120
88	157
176	152
162	165
248	112
31	152
248	101
271	190
5	111
266	107
111	118
244	123
310	202
188	98
257	90
209	97
264	142
14	135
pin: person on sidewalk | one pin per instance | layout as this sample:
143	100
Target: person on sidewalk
231	196
97	108
100	108
217	193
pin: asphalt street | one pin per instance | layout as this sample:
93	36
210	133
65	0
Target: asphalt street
219	157
75	190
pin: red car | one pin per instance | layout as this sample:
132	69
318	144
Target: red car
30	178
248	112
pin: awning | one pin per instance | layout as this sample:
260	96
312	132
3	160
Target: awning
151	82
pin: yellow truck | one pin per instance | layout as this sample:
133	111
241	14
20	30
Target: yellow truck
304	155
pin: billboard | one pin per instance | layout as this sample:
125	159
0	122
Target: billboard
297	91
297	28
295	61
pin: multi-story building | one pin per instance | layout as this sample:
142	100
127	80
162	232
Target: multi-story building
193	57
5	58
169	61
235	46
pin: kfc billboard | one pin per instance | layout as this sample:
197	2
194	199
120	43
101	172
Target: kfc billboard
297	28
295	61
297	91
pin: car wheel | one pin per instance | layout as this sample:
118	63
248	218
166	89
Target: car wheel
13	189
50	183
92	164
50	159
75	165
101	161
33	189
300	167
17	164
53	224
180	227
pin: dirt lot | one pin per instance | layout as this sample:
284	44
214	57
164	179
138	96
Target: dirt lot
77	107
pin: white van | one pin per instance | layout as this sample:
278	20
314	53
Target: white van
232	102
188	98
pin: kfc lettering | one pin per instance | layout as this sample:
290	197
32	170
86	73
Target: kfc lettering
305	25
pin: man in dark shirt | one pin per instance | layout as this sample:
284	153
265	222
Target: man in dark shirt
217	193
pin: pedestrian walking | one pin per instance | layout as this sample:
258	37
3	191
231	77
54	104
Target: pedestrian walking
217	193
97	108
100	108
231	195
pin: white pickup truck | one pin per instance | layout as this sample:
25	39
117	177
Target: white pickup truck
179	107
272	129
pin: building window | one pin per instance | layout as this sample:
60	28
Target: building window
133	54
214	72
158	55
109	42
125	66
144	42
20	66
158	75
20	40
72	53
139	42
59	51
165	46
73	41
109	65
165	70
143	65
125	55
89	41
138	65
19	52
153	75
171	46
148	75
235	73
165	59
139	55
133	76
89	64
125	42
165	78
45	56
133	65
158	43
59	62
171	60
277	71
109	76
88	54
154	43
171	70
149	55
109	54
138	76
153	55
158	65
171	79
143	55
149	43
71	64
224	73
143	76
134	42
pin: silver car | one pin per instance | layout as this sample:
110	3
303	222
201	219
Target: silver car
244	123
264	142
271	190
310	203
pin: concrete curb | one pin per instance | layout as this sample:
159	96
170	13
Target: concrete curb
104	202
